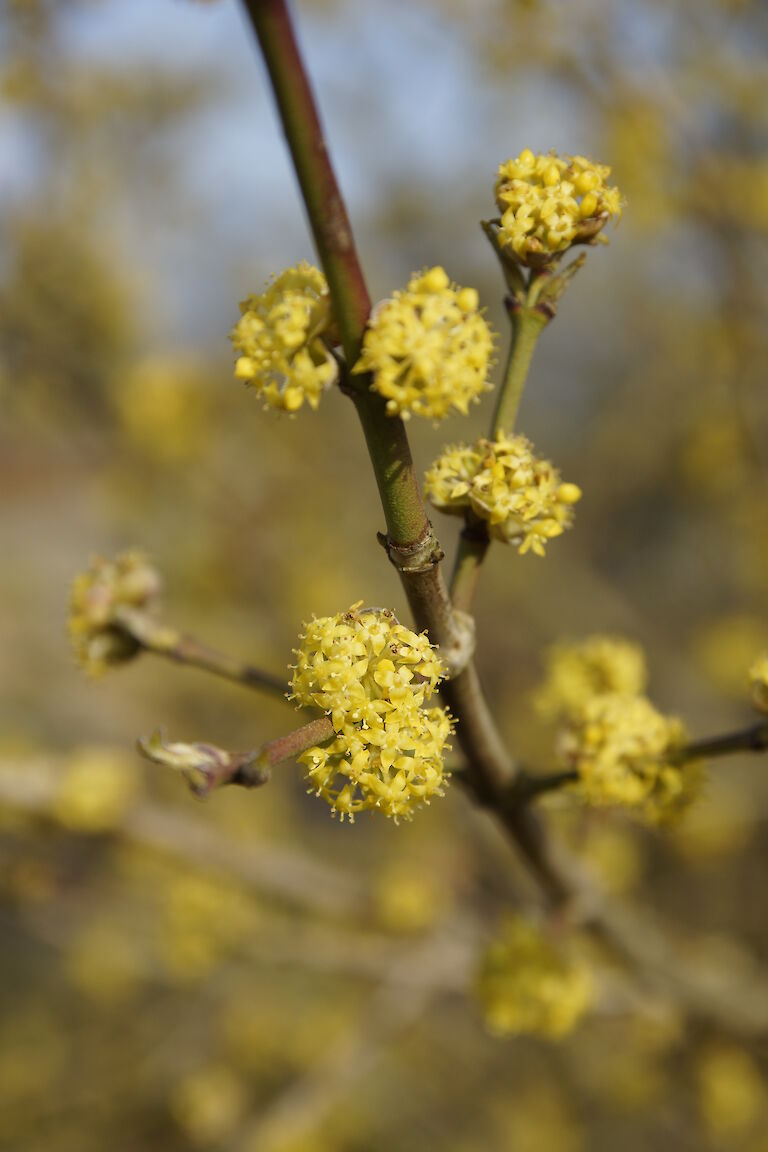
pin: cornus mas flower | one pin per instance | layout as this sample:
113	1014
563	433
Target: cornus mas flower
393	766
758	681
577	672
97	596
520	496
372	676
547	203
623	750
528	983
279	340
428	348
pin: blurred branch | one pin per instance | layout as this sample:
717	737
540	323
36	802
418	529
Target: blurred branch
301	1108
528	786
288	876
754	739
158	638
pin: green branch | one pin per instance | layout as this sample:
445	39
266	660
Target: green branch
410	541
527	324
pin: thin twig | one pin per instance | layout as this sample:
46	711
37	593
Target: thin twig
527	325
754	739
155	637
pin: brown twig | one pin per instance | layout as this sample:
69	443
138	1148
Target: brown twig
410	542
156	637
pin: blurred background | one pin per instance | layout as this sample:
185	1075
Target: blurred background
249	974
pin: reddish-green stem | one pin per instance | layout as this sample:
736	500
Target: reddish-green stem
410	543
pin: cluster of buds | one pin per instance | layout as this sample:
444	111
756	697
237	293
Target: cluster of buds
102	600
520	496
373	677
549	203
623	750
280	340
428	348
529	982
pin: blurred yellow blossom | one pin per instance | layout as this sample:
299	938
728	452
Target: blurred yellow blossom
279	340
97	596
619	745
103	962
428	348
95	790
758	681
720	824
732	1092
408	898
575	672
519	495
209	1103
164	407
726	646
204	919
528	982
615	856
548	203
538	1118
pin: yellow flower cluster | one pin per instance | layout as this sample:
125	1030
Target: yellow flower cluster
428	348
520	496
548	203
96	598
620	745
758	681
529	984
577	672
372	676
279	340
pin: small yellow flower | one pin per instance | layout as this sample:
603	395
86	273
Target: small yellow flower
577	672
620	746
96	598
372	676
279	340
529	983
520	496
95	791
428	348
548	203
758	680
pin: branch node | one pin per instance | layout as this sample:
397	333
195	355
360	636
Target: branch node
418	556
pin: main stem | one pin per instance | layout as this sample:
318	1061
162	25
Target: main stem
410	543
